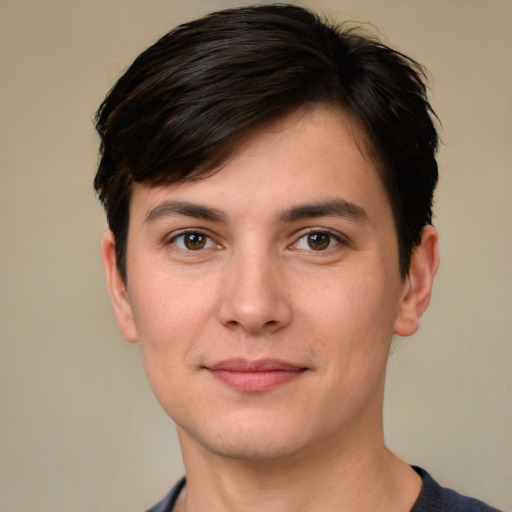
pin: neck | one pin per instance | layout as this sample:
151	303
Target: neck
343	476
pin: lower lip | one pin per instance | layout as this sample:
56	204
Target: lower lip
253	381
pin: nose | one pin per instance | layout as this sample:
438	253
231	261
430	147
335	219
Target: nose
254	295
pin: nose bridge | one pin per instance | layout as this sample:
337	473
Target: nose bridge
253	294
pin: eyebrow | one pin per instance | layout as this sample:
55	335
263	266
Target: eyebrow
174	208
334	207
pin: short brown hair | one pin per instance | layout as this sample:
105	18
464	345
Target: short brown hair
188	101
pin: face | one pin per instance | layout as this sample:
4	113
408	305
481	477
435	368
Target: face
264	297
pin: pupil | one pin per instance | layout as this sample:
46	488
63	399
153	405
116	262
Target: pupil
318	241
195	241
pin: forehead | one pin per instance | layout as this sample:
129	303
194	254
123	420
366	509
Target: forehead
311	155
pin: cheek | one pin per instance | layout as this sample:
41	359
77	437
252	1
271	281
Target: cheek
171	316
170	324
359	301
166	305
352	319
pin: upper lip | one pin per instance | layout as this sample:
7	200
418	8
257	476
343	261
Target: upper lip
260	365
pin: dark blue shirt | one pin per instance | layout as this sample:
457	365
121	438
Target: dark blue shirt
432	498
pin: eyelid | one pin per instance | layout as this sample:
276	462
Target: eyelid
340	238
170	240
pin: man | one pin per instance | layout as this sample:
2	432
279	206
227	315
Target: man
268	182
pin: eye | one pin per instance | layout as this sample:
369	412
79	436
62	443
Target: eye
317	241
193	241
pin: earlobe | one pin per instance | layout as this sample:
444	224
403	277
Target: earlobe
117	289
418	285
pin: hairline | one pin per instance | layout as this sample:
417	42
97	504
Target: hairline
235	145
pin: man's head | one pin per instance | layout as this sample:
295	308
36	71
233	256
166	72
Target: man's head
258	169
188	103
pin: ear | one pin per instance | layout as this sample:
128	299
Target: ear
117	288
418	283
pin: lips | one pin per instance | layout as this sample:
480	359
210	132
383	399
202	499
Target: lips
255	376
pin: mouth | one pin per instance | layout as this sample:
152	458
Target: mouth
255	376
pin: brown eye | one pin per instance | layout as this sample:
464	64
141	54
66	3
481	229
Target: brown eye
318	241
193	241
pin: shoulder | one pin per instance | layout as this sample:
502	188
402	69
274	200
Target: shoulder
434	498
168	502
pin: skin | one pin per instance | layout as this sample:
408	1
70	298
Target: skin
262	275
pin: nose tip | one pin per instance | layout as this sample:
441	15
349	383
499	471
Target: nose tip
255	321
253	299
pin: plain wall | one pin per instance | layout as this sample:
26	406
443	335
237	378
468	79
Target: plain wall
79	428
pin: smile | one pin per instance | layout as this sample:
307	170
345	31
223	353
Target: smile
255	376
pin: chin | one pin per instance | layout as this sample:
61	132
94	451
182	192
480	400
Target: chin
257	449
261	439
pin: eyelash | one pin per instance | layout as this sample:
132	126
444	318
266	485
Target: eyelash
209	240
333	236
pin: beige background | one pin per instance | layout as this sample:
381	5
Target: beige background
79	428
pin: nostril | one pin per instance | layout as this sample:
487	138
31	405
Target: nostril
244	306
